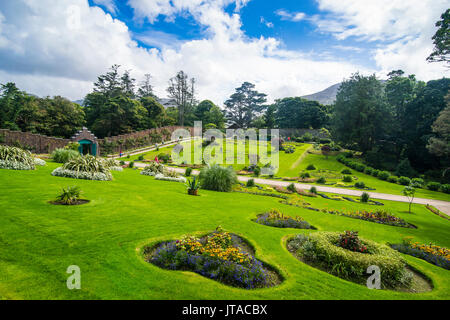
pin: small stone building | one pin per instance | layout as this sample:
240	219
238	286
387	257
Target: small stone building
88	142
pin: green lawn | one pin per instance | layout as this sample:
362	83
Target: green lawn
38	241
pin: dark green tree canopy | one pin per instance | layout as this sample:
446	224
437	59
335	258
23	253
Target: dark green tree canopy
441	40
300	113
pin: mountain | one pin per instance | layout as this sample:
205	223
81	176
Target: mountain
80	102
326	96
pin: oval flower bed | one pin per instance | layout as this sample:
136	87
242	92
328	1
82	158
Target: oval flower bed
275	218
348	257
220	256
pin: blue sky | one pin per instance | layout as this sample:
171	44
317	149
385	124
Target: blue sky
286	48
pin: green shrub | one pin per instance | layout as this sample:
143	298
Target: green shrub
417	182
305	175
69	195
445	188
16	158
393	179
368	170
375	173
257	171
84	167
311	167
433	186
347	179
72	146
250	183
64	155
291	187
218	178
313	190
360	167
321	180
188	172
346	171
122	163
164	157
131	164
365	197
384	175
404	181
141	157
360	185
322	249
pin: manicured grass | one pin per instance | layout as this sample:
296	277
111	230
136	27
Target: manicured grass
38	241
320	162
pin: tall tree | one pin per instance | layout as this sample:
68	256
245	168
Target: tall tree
182	91
270	116
128	84
109	84
245	104
146	89
155	112
361	113
296	112
441	40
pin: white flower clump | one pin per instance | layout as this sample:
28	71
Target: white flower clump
39	162
148	173
116	168
14	165
60	172
160	176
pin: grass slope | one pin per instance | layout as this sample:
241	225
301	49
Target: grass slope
38	241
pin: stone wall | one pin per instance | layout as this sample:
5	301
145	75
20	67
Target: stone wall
35	142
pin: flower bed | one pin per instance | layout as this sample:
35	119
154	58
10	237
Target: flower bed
439	256
61	172
84	167
220	256
39	162
161	176
275	218
323	250
16	159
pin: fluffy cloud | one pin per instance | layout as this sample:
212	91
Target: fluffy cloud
292	16
50	48
402	29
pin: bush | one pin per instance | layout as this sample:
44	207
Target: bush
313	190
368	170
291	187
84	167
311	167
257	171
325	141
445	188
365	197
16	159
250	183
69	195
39	162
404	181
349	240
346	171
218	178
404	168
417	182
384	175
64	155
434	186
322	249
141	157
321	180
131	164
360	167
61	172
188	172
347	179
393	179
153	169
360	185
305	175
375	173
122	163
164	157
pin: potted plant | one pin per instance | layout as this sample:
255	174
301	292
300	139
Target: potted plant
193	186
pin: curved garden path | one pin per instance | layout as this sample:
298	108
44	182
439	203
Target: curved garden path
443	206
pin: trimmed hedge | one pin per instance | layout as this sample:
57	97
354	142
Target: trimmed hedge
322	250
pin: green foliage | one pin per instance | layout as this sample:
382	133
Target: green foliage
404	169
257	171
368	170
72	146
321	180
409	192
365	197
16	159
313	190
360	167
164	157
375	173
131	164
250	183
441	39
297	112
193	184
322	248
141	157
291	187
346	171
69	195
188	172
360	185
405	181
433	186
305	175
417	182
218	178
445	188
64	155
393	179
86	163
384	175
311	167
349	240
347	179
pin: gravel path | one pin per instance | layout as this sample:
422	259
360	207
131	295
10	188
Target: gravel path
443	206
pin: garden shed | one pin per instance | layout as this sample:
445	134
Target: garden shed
88	142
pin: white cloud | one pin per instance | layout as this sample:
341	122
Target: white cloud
50	48
268	24
403	30
291	16
108	4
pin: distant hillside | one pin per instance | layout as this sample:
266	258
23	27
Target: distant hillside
326	96
80	102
